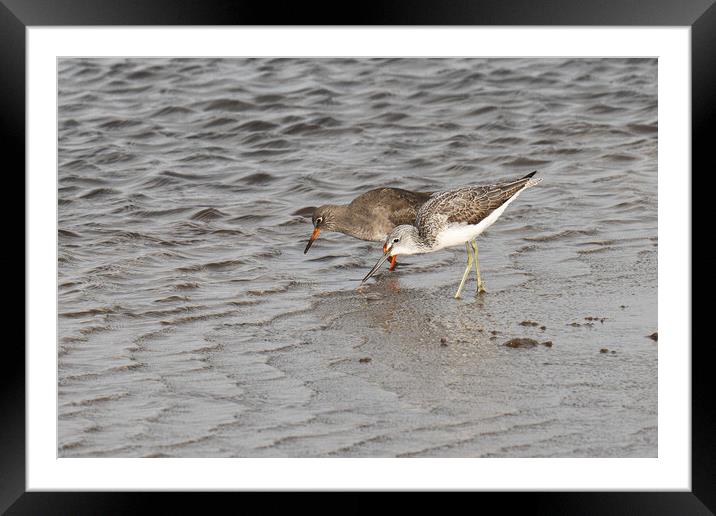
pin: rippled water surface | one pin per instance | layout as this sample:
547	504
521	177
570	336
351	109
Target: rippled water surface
192	324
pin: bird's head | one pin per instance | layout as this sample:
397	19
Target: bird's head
322	220
401	240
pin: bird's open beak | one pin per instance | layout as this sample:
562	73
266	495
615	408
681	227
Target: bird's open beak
314	236
386	255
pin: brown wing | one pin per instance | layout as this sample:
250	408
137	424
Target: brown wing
475	205
464	205
396	205
373	214
408	209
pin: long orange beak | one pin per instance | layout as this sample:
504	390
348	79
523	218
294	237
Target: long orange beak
314	236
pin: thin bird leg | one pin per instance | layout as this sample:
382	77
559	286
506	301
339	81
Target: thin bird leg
480	286
468	269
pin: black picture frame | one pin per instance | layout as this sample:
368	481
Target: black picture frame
17	15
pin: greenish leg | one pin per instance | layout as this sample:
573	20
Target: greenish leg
480	285
467	270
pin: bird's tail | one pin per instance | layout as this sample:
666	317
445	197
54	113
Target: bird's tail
531	181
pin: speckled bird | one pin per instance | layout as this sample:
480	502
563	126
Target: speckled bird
451	218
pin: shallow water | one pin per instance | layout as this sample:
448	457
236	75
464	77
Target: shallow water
192	324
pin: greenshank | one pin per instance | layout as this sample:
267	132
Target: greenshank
454	217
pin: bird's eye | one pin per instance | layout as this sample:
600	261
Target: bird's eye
319	220
396	240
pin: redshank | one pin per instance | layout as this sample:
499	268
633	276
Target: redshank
370	216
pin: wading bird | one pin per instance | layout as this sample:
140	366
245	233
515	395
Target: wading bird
370	216
451	218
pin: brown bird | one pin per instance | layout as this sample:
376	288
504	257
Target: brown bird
370	216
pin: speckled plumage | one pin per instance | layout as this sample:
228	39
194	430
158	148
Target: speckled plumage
466	205
453	217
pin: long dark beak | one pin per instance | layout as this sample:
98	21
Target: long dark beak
314	236
385	256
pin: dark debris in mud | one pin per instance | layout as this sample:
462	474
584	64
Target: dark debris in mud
600	319
526	343
529	323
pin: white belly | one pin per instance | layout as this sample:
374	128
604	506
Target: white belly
457	234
